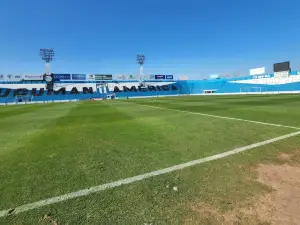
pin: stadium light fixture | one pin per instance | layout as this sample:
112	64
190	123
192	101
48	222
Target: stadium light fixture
141	60
47	54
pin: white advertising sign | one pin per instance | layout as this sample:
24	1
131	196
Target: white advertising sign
33	77
257	71
120	77
145	77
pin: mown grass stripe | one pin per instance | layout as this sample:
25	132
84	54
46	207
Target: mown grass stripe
216	116
95	189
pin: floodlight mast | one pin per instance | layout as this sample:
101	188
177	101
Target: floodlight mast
141	60
47	54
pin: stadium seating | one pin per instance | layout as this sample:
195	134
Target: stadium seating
123	89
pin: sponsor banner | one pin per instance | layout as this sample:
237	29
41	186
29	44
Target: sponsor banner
145	77
62	76
78	77
103	77
11	77
91	77
33	77
169	77
128	77
160	77
183	78
120	77
257	71
132	77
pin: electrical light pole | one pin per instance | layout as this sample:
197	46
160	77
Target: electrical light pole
141	60
47	54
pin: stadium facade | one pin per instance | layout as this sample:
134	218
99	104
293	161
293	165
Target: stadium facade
73	87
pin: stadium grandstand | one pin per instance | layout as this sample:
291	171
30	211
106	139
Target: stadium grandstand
24	88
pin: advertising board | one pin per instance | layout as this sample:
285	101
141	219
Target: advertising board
90	76
103	76
257	71
131	77
11	77
120	77
145	77
160	77
78	77
62	76
33	77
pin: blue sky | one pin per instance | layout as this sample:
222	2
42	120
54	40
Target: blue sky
191	37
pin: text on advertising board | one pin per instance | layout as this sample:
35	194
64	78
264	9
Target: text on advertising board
160	77
62	76
78	76
13	77
103	77
33	77
91	77
169	77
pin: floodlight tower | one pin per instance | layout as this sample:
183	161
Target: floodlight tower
141	60
47	54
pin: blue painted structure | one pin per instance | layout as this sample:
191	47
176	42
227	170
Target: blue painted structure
9	90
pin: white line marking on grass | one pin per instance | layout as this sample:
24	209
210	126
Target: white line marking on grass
95	189
215	116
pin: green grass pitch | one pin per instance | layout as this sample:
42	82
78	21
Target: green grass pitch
47	150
